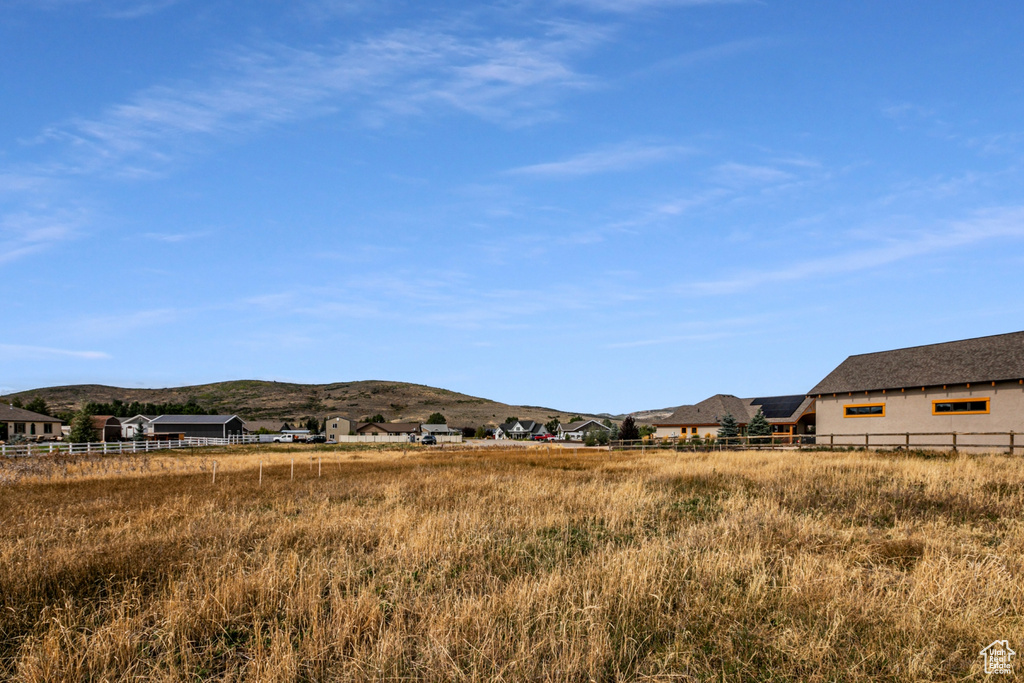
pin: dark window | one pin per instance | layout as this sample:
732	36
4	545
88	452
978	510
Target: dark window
47	428
32	429
19	427
865	410
965	406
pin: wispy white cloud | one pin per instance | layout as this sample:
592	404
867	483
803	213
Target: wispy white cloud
406	72
627	6
115	9
746	174
1001	223
30	231
620	158
20	351
172	237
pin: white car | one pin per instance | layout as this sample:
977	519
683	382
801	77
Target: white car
284	438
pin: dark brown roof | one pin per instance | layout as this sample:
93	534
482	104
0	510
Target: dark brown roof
391	427
983	359
9	413
710	411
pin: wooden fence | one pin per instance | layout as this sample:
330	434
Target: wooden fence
1010	442
119	447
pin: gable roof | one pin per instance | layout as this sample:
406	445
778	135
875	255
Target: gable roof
982	359
710	411
194	419
781	408
390	427
9	413
580	424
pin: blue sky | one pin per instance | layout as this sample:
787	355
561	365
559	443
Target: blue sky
594	205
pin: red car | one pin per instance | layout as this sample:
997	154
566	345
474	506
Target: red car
543	437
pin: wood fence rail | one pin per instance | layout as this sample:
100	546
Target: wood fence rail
1008	441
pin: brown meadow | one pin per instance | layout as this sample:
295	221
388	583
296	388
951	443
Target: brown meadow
509	565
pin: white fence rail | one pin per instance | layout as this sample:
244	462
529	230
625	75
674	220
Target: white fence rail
118	447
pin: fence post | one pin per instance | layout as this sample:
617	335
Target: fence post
261	473
1011	442
214	471
908	441
866	440
831	442
319	467
954	441
293	469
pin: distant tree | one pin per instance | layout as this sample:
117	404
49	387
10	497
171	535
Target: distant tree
313	425
759	427
628	431
647	430
590	439
480	433
511	419
82	430
577	418
613	434
552	425
16	403
728	428
436	419
602	437
377	418
468	432
38	405
607	423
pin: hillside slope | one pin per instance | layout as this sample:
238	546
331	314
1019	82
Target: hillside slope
261	400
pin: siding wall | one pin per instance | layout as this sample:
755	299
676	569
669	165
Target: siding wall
911	411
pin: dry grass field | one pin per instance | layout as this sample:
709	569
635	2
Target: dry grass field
494	565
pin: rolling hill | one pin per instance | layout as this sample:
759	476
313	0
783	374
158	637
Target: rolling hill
262	400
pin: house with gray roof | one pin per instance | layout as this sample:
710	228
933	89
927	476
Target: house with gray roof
788	415
520	429
577	431
971	385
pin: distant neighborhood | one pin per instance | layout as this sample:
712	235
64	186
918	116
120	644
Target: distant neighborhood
973	387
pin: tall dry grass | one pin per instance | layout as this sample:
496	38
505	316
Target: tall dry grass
486	565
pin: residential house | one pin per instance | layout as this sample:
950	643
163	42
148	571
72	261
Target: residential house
268	426
209	426
392	428
577	431
339	426
520	429
972	385
787	415
25	424
107	428
439	430
133	426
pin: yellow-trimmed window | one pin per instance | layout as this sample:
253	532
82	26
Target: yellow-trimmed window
961	406
864	410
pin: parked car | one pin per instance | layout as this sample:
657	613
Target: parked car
429	440
316	438
284	438
543	437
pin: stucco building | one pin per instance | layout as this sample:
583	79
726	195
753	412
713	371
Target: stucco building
919	395
24	424
787	415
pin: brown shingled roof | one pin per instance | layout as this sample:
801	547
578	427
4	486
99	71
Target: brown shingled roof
9	413
710	411
983	359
